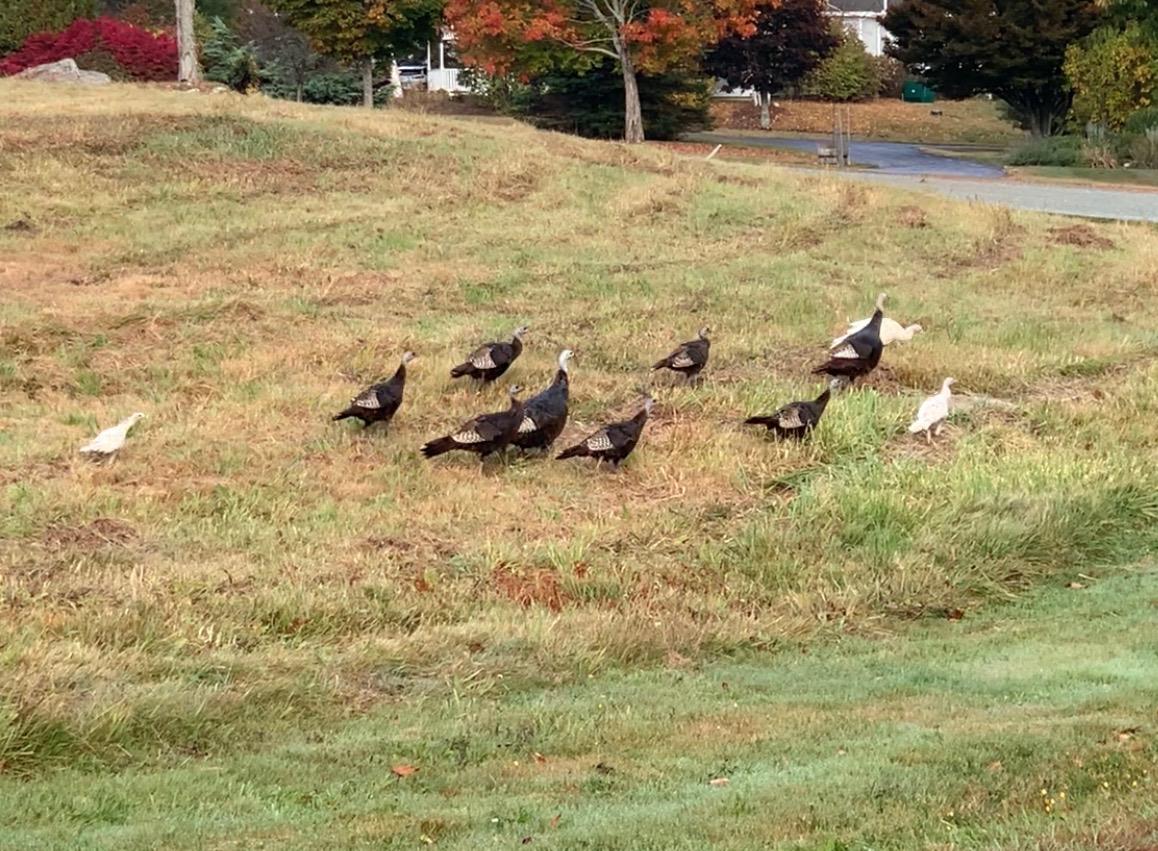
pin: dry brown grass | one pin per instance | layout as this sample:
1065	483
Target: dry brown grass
970	121
238	268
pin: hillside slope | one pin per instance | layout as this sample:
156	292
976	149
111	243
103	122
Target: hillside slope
238	268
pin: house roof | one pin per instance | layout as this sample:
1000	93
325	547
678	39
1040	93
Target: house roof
857	5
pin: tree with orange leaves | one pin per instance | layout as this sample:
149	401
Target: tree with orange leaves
528	36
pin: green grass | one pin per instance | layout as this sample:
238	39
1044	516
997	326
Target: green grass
1116	176
1029	720
251	585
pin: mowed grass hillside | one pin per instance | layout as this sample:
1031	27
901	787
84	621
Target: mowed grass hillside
238	268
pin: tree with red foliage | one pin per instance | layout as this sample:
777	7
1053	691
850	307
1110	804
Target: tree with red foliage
792	37
138	54
528	36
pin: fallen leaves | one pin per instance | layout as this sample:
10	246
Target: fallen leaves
719	781
403	770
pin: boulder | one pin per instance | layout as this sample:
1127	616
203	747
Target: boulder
64	71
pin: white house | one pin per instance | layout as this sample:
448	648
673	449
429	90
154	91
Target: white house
862	18
436	71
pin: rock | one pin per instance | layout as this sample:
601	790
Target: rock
64	71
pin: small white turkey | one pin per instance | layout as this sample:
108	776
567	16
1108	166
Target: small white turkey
109	442
891	331
933	412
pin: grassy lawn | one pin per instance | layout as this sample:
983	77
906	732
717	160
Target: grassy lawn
1144	177
229	637
975	121
1029	726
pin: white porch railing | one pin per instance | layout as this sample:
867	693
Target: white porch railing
444	80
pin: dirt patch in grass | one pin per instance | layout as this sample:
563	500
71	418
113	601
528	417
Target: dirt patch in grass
1080	235
912	217
533	588
102	532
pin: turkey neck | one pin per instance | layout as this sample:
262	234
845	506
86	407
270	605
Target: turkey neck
821	401
516	346
400	373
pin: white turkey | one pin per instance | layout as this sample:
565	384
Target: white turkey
933	412
109	442
891	331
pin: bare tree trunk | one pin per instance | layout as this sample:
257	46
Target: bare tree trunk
368	84
300	90
765	110
188	68
633	113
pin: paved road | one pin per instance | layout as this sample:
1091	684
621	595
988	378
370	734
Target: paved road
1095	203
909	167
892	157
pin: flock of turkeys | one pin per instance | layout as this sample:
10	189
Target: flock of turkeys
538	422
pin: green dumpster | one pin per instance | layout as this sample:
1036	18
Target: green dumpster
914	92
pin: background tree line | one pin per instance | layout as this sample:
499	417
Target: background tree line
636	68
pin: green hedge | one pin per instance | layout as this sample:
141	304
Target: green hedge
1052	150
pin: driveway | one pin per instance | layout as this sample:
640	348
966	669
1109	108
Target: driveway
890	157
910	167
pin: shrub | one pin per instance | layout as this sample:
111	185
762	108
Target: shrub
1051	150
848	73
21	18
141	55
591	103
892	74
1113	73
227	60
1140	121
1143	150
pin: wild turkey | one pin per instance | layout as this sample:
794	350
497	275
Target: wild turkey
545	414
858	355
379	402
490	360
891	331
933	412
484	434
690	358
109	442
613	442
797	419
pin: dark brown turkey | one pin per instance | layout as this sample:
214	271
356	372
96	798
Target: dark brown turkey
858	354
546	413
796	420
613	442
490	360
379	402
690	358
484	434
